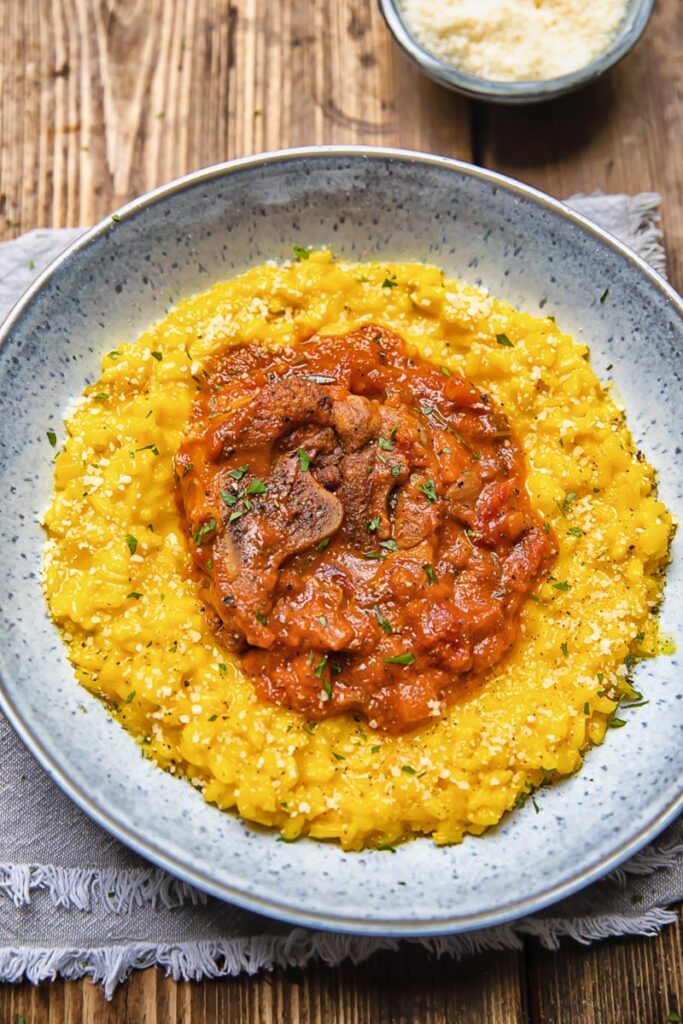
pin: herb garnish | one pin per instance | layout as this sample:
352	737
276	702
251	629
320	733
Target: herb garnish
401	659
374	524
238	473
222	668
429	490
132	543
263	619
575	531
304	460
157	355
429	571
408	769
322	619
374	554
384	623
385	445
323	544
386	283
134	595
300	252
564	649
256	486
205	528
101	397
604	296
130	696
503	339
568	499
445	371
615	723
52	437
389	545
562	585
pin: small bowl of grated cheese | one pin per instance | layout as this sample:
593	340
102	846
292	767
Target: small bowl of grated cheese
516	51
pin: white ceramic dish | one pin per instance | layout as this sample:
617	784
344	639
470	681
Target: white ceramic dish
176	241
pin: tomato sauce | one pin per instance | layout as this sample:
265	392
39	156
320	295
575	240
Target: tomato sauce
361	524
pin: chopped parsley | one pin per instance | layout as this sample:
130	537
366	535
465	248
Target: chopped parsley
304	460
134	595
228	498
150	448
338	757
188	469
52	437
430	574
157	355
115	217
429	490
562	585
575	531
408	769
387	283
604	296
385	445
375	750
615	723
320	667
503	339
263	619
222	668
256	486
586	708
374	554
322	619
408	658
238	473
374	524
445	371
564	505
130	696
327	687
395	470
101	397
389	545
323	544
132	543
384	623
205	528
564	649
114	354
300	252
237	514
212	718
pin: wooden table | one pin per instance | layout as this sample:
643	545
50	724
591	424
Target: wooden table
104	99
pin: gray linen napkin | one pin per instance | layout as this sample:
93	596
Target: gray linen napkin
75	902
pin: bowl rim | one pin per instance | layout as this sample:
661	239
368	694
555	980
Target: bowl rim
198	876
532	91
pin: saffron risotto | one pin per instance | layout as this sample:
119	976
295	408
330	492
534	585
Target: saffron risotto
117	575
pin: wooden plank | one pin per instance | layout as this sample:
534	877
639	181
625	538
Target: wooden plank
634	981
104	101
623	134
409	987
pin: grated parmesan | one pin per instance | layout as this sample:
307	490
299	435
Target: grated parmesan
515	40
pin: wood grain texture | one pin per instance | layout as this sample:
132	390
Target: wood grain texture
104	99
634	981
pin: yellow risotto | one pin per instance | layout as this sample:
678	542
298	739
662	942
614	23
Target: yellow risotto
118	583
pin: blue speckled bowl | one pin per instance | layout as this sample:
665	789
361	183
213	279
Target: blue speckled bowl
636	18
387	204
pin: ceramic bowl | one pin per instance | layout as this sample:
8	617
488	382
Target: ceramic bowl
635	21
363	203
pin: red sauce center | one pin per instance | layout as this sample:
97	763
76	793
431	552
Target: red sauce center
361	523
